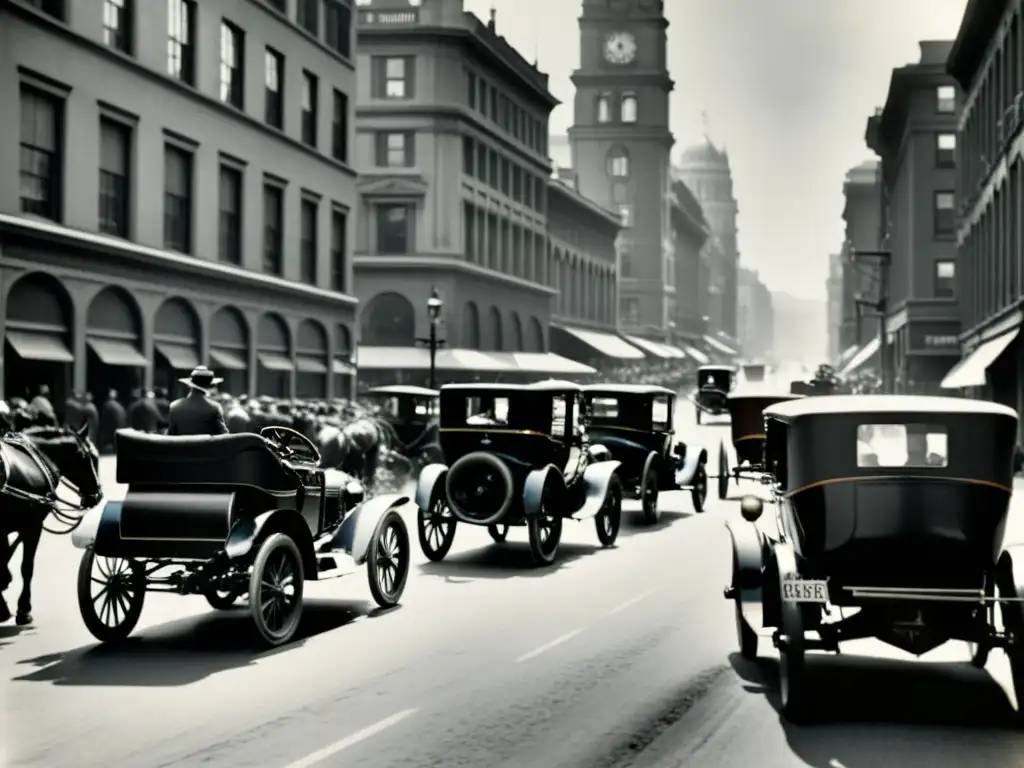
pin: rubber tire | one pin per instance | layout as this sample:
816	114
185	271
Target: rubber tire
648	479
221	601
499	532
699	492
541	556
436	555
792	661
981	651
746	637
493	462
383	599
611	510
271	543
86	605
723	473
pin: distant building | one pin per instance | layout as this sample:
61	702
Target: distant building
914	136
756	317
862	216
799	329
985	61
690	233
834	292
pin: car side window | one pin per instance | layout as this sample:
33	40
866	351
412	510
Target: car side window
577	416
660	415
558	409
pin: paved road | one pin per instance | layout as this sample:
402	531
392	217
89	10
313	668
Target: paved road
612	658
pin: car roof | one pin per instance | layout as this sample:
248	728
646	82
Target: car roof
554	385
551	385
628	389
730	368
887	404
402	389
754	393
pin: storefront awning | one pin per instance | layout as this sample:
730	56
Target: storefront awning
418	359
117	352
697	356
40	347
180	356
606	344
546	362
847	355
654	348
228	359
864	354
971	371
471	360
310	364
275	361
342	367
720	346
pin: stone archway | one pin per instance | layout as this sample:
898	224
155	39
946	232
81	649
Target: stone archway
470	326
311	360
175	342
496	342
518	342
275	367
388	320
229	349
536	342
113	336
38	343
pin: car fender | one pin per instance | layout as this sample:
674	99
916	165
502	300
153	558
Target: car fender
85	535
596	479
359	526
748	558
248	534
537	482
430	476
695	457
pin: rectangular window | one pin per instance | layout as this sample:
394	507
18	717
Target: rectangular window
395	150
487	411
626	215
41	117
309	16
339	260
603	408
661	415
471	90
339	127
181	31
393	77
339	27
310	88
902	445
630	311
115	142
117	24
469	224
273	74
230	240
273	229
626	264
945	99
232	64
468	155
945	215
945	279
308	241
394	223
945	150
177	199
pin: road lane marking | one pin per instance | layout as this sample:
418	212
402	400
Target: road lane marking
332	749
546	647
631	602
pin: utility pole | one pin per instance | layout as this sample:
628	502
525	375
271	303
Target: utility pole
882	261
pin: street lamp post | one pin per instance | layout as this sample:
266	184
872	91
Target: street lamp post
434	307
881	306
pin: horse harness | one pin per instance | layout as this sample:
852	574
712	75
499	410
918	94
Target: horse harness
28	449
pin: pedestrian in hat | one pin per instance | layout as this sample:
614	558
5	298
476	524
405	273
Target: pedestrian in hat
197	413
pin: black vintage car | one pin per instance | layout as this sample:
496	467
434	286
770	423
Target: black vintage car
636	423
743	456
409	414
892	505
516	455
714	383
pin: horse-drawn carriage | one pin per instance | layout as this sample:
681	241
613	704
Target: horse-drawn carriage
743	456
516	455
636	423
409	414
893	506
714	383
231	515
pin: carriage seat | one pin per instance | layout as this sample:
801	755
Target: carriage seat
234	459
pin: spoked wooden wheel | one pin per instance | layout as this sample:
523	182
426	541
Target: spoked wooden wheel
275	589
387	565
111	592
609	518
649	490
699	492
545	531
498	531
723	472
436	528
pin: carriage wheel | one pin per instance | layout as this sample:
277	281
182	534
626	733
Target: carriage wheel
387	566
723	473
609	518
980	651
545	530
275	589
792	661
746	637
111	592
699	491
436	527
499	532
649	489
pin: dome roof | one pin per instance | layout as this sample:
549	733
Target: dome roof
705	154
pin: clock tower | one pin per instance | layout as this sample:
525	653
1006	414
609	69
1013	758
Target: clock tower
621	147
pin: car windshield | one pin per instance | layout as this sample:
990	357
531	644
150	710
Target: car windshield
902	445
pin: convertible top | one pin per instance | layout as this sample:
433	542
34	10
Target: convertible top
628	389
889	404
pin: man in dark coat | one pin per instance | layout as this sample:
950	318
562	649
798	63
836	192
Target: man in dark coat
163	404
74	413
197	413
112	418
237	418
91	416
144	415
42	409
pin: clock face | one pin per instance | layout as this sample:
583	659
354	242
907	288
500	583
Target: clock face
620	48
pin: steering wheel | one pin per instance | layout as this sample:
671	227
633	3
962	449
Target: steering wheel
288	444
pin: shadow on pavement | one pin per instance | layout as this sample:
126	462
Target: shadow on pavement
884	696
10	631
633	521
502	561
187	650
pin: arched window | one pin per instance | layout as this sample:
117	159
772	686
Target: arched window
628	107
618	163
604	108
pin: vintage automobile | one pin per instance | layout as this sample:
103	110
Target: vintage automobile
231	515
891	505
409	414
516	454
635	422
742	458
714	383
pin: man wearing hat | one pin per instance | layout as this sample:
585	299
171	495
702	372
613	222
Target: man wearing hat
196	413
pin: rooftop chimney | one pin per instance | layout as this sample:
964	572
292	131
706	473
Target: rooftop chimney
494	18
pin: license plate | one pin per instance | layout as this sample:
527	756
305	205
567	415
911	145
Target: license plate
805	591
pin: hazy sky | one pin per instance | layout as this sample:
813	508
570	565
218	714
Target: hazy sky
787	85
